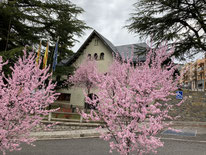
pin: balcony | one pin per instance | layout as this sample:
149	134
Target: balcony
200	69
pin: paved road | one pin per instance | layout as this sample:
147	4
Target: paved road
95	146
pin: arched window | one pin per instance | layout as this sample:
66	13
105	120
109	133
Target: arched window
89	56
95	56
102	56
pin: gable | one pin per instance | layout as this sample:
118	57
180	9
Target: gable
96	47
106	42
106	46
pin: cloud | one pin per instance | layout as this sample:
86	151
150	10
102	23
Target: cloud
108	17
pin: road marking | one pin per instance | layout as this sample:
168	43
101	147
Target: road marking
182	132
183	140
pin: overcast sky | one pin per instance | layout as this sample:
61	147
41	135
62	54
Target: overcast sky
108	17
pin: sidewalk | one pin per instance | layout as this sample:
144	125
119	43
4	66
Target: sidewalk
198	127
191	127
88	133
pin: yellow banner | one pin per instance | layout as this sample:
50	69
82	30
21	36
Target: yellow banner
38	53
46	56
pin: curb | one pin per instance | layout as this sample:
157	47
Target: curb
188	123
73	123
93	133
174	123
72	136
90	133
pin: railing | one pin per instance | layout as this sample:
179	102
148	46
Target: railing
69	116
65	112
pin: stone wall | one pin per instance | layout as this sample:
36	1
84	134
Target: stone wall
194	107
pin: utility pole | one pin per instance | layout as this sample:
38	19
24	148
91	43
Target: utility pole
204	71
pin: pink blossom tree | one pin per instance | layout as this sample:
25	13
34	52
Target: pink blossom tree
132	101
24	98
85	76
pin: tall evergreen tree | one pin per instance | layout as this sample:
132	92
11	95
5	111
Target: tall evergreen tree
27	21
180	22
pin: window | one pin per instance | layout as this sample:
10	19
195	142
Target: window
92	97
95	56
96	42
89	56
102	56
64	97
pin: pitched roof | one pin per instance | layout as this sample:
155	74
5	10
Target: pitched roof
138	51
116	50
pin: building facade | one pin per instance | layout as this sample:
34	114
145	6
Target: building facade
193	75
102	50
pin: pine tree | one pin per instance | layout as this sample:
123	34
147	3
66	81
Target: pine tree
25	22
180	22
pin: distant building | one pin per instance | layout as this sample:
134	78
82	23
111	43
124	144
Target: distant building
193	75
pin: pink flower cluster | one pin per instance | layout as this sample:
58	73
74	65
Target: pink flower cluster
132	100
24	98
85	74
